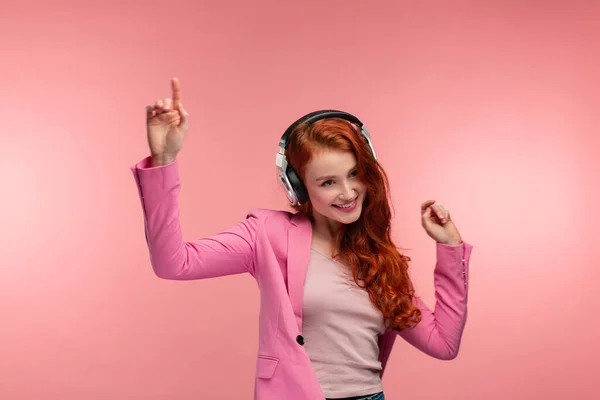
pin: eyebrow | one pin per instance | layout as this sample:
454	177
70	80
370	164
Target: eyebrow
322	178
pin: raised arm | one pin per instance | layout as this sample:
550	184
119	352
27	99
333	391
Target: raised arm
157	179
440	331
226	253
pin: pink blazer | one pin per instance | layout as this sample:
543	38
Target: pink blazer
274	247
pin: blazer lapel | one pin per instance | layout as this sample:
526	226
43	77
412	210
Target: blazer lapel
299	240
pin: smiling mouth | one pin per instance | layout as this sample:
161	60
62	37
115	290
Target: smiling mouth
346	205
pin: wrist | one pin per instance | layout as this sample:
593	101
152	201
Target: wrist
452	243
160	160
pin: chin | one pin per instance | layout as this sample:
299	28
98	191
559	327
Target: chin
348	221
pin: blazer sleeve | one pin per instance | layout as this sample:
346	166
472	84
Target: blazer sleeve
226	253
439	332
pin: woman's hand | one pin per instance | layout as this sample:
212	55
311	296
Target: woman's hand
166	125
438	225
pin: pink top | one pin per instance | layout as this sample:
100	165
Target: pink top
341	329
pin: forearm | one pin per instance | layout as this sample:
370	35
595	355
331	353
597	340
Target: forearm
440	331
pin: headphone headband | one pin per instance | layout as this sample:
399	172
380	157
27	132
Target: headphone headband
313	117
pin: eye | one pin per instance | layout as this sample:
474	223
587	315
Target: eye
326	183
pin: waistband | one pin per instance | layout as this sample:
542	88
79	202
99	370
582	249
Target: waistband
372	396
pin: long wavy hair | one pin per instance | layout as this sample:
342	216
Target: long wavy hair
365	246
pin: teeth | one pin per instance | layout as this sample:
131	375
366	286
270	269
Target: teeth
347	205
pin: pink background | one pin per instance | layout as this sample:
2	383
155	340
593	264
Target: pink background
489	107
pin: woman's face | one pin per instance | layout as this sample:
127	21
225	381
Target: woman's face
331	182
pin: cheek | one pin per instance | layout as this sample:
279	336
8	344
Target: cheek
363	191
321	199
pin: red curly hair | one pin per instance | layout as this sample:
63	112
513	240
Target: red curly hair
365	245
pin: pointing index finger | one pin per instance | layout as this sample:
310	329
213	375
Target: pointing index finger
176	88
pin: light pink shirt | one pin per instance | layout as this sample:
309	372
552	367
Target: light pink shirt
341	329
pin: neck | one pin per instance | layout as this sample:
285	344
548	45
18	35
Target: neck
324	228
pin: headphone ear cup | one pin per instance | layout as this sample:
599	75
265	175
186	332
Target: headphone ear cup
297	185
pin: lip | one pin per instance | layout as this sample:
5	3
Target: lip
350	202
349	209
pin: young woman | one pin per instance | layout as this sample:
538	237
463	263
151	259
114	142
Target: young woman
335	291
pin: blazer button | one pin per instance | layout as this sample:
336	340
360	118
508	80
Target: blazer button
300	340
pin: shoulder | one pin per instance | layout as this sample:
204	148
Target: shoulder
270	214
276	219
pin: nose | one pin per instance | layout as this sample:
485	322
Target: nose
348	192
